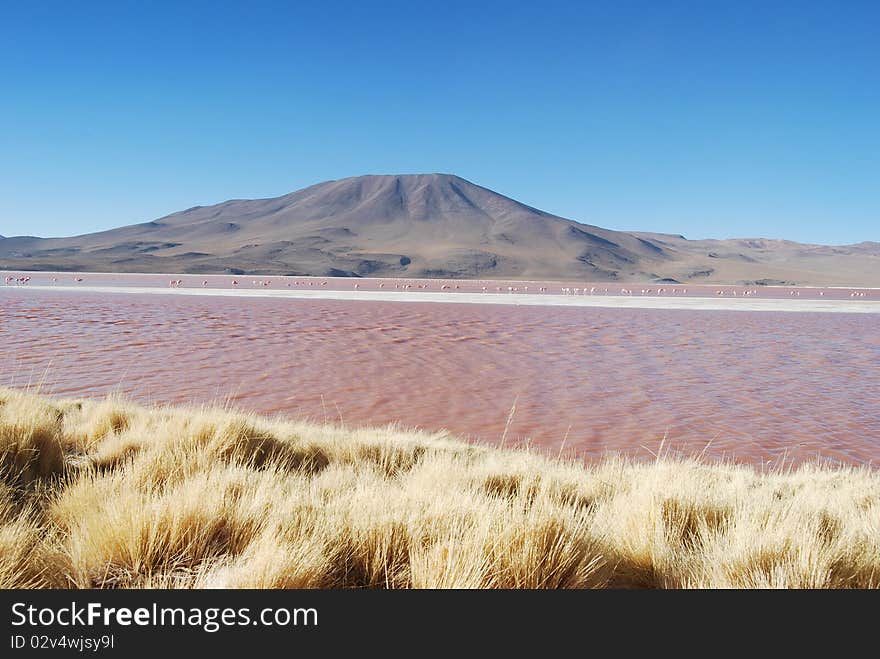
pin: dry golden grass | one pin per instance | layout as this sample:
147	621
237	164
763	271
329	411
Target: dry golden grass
109	494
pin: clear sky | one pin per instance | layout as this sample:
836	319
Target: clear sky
709	119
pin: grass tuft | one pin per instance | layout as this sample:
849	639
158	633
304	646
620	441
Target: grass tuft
109	494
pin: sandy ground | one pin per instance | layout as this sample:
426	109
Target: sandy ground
545	299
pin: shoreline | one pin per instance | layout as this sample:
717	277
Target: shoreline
516	299
471	280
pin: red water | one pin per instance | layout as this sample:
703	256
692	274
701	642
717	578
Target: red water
755	387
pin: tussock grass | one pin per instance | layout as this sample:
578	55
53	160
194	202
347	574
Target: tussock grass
109	494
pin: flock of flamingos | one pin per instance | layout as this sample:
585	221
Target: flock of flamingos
402	285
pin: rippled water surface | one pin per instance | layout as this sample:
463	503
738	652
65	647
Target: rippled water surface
757	387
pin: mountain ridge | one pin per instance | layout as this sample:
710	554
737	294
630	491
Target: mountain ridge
424	225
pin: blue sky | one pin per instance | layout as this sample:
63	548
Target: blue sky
710	119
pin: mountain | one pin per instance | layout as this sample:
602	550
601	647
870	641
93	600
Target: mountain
423	225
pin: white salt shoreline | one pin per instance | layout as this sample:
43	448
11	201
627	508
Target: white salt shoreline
517	299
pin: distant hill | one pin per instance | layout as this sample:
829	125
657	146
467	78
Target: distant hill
426	225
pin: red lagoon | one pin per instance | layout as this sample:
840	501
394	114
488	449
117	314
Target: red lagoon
754	387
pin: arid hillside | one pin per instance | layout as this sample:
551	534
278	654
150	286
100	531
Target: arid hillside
427	225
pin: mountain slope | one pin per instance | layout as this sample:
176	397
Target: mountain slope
414	225
424	225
